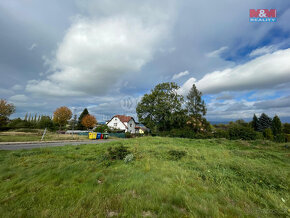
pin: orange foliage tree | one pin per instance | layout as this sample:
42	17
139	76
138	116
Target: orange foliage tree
61	115
89	121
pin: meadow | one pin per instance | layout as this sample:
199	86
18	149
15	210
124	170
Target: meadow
168	177
36	135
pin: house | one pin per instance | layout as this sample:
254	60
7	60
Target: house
122	122
141	129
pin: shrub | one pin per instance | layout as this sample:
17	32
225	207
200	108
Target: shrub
128	135
176	154
268	134
241	132
118	152
129	158
287	137
280	138
220	133
102	128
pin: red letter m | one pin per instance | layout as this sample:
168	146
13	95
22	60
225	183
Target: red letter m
271	13
254	13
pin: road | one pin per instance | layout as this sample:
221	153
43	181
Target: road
31	145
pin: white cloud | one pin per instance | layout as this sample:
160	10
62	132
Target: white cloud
263	72
217	52
17	87
183	90
95	53
179	75
33	46
18	98
262	51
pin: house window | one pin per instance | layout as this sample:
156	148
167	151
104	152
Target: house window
131	125
115	124
115	118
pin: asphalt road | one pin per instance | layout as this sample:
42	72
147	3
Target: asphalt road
19	146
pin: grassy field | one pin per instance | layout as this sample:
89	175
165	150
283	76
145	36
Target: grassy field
215	178
36	136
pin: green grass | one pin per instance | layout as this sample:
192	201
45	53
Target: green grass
36	136
215	178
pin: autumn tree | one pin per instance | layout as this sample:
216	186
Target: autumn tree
61	116
89	121
6	110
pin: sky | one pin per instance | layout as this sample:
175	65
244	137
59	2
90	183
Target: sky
104	55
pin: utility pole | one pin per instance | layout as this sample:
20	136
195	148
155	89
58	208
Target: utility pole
74	120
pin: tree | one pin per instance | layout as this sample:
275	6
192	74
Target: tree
89	121
61	115
5	111
80	126
196	109
157	109
255	123
276	126
45	122
195	105
265	122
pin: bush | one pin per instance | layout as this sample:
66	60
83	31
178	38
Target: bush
102	128
280	138
220	133
118	152
241	132
128	135
268	134
129	158
176	155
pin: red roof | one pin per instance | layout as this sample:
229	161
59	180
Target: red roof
124	118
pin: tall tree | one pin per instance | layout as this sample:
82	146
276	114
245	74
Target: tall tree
156	110
80	126
6	110
89	121
195	105
276	126
61	115
265	122
255	123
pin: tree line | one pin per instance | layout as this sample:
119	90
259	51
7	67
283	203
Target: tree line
62	117
168	113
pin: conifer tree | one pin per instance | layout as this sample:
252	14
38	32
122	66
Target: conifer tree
80	126
276	126
255	122
265	122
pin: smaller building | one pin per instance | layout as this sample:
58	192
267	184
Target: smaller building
122	122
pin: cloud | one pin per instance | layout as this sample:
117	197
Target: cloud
179	75
217	53
33	46
18	98
96	52
17	87
276	103
263	72
184	89
225	96
262	51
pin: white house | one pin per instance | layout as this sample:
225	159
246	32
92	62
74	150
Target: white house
122	122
